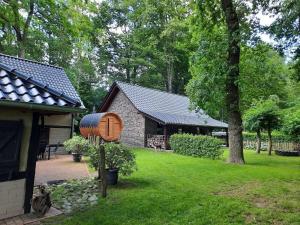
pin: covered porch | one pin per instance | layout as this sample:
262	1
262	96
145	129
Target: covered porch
158	136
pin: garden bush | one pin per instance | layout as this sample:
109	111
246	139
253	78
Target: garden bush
117	156
76	144
196	145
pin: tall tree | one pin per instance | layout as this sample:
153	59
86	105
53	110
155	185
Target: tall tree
232	88
219	57
264	115
143	41
17	15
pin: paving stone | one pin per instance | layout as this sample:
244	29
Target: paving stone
61	167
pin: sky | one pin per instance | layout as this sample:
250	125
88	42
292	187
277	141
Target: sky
266	20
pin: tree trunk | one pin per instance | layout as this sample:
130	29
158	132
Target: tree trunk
232	90
270	141
102	171
128	74
170	73
21	48
258	142
134	74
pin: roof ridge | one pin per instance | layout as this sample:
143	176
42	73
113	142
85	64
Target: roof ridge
30	60
153	89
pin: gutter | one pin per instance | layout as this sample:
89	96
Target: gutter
34	106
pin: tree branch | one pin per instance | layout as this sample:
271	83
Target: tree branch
16	26
29	18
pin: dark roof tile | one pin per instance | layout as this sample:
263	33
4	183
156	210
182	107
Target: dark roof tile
166	107
13	88
21	90
13	96
50	78
2	95
4	81
26	98
33	92
17	82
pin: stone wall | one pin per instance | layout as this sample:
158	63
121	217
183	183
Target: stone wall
133	133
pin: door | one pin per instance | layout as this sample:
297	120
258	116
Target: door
10	144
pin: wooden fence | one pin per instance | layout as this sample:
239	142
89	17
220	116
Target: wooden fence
277	145
159	141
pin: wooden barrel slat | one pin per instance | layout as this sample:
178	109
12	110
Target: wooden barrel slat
108	126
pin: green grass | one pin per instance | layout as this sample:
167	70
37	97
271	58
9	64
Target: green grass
175	189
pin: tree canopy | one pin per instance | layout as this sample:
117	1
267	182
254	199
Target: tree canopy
186	47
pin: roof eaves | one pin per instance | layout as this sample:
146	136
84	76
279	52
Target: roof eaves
43	86
153	118
37	106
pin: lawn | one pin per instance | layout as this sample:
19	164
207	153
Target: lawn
175	189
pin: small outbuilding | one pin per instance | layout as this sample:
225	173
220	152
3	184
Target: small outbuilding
150	116
37	105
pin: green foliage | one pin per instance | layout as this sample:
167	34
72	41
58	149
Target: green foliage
208	67
291	123
117	157
74	195
267	68
149	41
196	145
276	136
285	29
76	144
263	115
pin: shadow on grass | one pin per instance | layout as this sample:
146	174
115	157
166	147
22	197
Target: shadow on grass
278	161
131	183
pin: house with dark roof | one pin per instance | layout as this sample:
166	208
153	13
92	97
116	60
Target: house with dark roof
151	115
37	106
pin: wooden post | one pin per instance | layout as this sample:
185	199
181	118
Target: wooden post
165	137
227	136
102	171
31	161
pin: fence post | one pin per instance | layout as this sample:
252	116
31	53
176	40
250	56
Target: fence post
103	171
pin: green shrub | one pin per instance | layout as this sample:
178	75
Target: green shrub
291	125
76	144
196	145
117	156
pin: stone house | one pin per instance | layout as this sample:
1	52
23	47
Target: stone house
149	113
37	103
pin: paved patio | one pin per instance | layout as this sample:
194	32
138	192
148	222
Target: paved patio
31	218
60	167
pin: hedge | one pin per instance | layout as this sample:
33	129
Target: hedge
196	145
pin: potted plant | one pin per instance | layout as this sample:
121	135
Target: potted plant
77	145
118	159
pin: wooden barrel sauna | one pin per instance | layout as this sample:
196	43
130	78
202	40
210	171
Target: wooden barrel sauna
108	126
